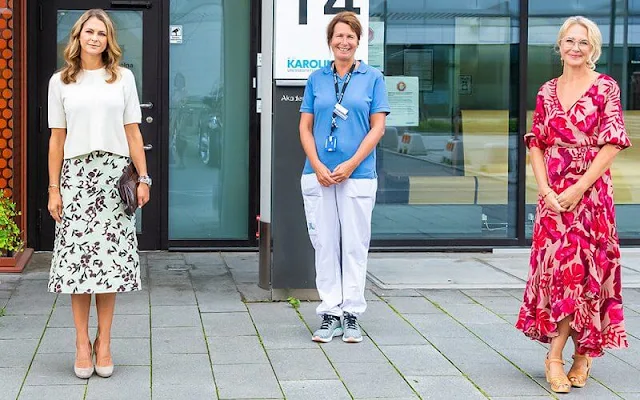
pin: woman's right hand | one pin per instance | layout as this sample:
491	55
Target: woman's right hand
55	205
324	175
551	200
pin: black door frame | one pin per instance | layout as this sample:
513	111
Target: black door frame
43	53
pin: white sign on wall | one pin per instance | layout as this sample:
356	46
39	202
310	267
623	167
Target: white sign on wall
403	99
301	34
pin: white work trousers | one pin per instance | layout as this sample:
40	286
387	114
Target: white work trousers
339	225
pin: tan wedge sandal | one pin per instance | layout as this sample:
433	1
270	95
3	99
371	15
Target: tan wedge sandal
579	378
559	383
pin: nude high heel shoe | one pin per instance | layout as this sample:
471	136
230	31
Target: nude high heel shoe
105	371
558	383
578	378
84	373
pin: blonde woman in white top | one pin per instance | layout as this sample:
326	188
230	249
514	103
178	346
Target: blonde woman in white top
94	114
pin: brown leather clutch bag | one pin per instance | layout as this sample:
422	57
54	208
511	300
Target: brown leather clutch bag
127	187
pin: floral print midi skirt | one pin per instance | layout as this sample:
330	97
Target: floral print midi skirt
95	248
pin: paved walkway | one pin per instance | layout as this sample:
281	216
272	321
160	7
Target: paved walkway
190	335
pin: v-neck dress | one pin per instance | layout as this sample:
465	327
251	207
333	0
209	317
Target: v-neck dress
575	256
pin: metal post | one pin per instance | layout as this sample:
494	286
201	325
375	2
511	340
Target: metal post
266	120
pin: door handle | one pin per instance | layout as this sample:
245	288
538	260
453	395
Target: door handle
147	147
148	105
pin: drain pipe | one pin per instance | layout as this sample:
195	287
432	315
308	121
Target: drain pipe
265	75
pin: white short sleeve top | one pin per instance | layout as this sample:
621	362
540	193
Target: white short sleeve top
93	111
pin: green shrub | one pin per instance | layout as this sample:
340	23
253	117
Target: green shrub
10	239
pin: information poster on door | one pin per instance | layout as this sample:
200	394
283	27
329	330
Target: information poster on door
376	44
300	34
403	99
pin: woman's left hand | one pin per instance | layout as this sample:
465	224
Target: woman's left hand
343	171
143	194
570	198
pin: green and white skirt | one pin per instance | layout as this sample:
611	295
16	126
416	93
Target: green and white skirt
95	248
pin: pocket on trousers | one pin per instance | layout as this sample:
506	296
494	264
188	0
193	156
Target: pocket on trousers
312	195
361	188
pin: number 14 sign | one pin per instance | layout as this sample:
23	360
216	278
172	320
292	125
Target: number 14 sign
300	34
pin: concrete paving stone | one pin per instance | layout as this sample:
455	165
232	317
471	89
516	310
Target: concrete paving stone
165	296
181	369
370	295
505	380
308	311
472	314
615	373
134	303
485	292
5	294
53	392
252	293
273	313
412	305
10	382
17	353
630	355
218	282
189	340
366	352
502	336
175	316
510	318
178	280
228	324
500	304
394	292
447	297
357	378
522	397
301	364
58	340
392	333
53	369
130	351
419	360
205	259
242	381
437	326
62	317
236	350
286	336
194	391
632	324
314	390
22	326
455	387
630	395
130	326
26	304
127	382
458	350
216	302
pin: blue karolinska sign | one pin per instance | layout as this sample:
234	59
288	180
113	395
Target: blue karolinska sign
295	64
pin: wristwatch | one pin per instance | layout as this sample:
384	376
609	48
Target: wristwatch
145	179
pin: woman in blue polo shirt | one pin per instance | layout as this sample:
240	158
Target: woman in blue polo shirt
342	119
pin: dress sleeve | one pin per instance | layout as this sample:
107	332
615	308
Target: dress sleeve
55	106
612	130
132	112
308	98
537	137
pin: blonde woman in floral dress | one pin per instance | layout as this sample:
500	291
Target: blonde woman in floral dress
93	114
574	284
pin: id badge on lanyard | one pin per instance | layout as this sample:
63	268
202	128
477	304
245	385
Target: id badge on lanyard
339	111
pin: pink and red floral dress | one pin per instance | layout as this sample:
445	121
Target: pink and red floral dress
575	256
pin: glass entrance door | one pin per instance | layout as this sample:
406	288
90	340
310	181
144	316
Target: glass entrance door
137	24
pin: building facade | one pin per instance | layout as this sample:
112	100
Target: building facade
453	169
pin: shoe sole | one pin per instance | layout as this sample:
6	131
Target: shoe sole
337	332
351	340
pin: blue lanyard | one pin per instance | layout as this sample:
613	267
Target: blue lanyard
340	94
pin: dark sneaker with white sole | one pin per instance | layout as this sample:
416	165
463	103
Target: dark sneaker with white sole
352	332
329	328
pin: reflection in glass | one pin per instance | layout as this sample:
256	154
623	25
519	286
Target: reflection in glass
448	168
209	120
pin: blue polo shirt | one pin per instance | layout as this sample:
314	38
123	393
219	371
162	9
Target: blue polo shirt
366	94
